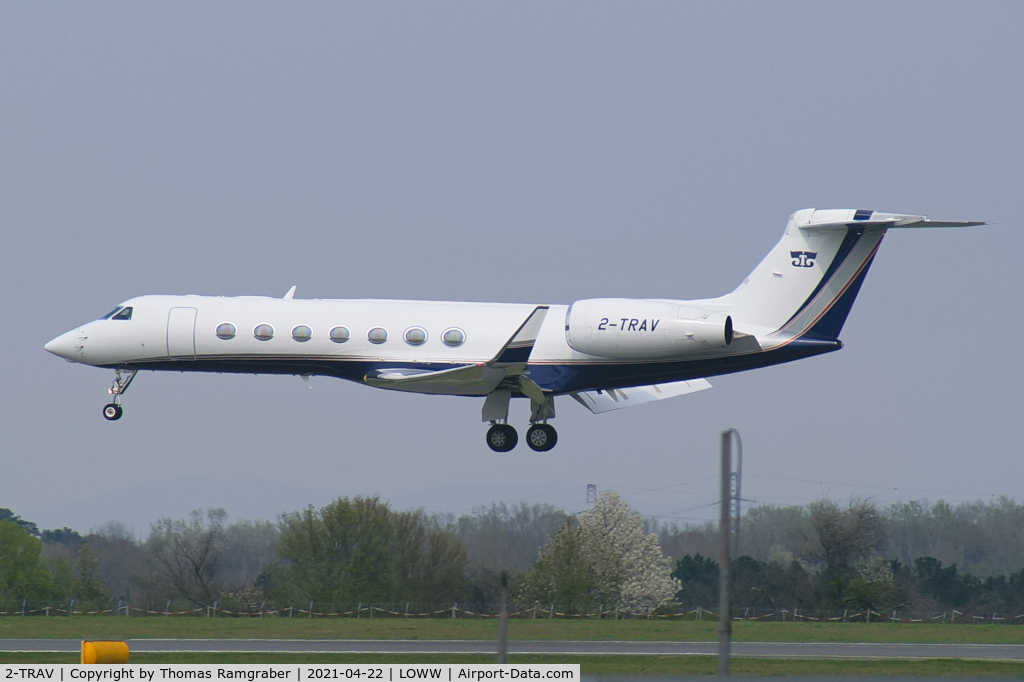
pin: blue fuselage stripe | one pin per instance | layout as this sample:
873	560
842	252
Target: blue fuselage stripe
554	377
853	235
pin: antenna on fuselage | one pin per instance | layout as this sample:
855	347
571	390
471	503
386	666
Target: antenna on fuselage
291	293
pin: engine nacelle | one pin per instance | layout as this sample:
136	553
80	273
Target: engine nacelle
641	328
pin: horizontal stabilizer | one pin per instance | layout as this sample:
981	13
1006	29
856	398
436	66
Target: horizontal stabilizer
618	398
841	219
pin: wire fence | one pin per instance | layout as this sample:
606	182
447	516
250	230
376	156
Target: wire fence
535	611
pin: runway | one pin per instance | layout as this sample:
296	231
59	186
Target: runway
816	650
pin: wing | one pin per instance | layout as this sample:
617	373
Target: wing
478	379
618	398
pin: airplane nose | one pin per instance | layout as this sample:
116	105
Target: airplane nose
68	346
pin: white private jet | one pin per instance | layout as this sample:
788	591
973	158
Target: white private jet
606	353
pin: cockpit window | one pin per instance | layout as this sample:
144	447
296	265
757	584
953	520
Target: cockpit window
111	313
125	314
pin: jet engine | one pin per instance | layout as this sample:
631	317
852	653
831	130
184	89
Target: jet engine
642	328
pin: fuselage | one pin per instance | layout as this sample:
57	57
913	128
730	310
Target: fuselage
351	338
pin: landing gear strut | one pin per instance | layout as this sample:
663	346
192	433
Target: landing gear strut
122	380
502	437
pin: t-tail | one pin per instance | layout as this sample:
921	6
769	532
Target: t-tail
806	285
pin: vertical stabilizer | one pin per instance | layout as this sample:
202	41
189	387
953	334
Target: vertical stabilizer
807	284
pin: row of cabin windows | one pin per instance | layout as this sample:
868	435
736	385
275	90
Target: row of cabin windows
414	336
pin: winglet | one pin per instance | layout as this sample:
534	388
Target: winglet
291	293
518	348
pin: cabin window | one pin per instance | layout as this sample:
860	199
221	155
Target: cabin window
125	314
415	336
340	334
263	332
302	333
226	330
377	335
453	337
111	313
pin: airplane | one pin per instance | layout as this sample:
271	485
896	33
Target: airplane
605	353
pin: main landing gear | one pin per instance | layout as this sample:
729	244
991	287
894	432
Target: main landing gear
122	380
503	437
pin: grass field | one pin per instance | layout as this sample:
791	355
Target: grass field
600	665
111	627
107	627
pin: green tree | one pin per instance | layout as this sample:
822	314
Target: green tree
698	579
87	586
562	574
429	563
22	573
339	554
30	527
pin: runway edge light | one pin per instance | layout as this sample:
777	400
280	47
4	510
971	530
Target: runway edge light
104	652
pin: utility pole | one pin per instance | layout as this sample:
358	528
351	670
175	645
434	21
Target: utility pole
730	496
503	620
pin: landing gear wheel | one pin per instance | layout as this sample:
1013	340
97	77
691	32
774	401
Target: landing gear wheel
112	412
541	437
502	437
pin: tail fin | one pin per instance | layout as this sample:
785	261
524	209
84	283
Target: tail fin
807	284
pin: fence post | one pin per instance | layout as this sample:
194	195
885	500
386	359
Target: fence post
290	611
648	613
868	610
23	606
371	611
263	606
310	609
600	610
359	610
47	610
406	609
551	613
71	609
455	605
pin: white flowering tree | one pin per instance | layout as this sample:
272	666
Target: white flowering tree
626	561
603	556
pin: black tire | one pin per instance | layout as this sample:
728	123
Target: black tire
502	437
541	437
112	412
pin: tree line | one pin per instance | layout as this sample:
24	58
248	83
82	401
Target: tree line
913	558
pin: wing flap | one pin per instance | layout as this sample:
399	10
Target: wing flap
479	379
619	398
464	380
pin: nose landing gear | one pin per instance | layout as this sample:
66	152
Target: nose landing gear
122	380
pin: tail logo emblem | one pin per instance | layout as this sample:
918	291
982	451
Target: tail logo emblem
803	259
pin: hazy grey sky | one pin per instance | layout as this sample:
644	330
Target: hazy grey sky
527	152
